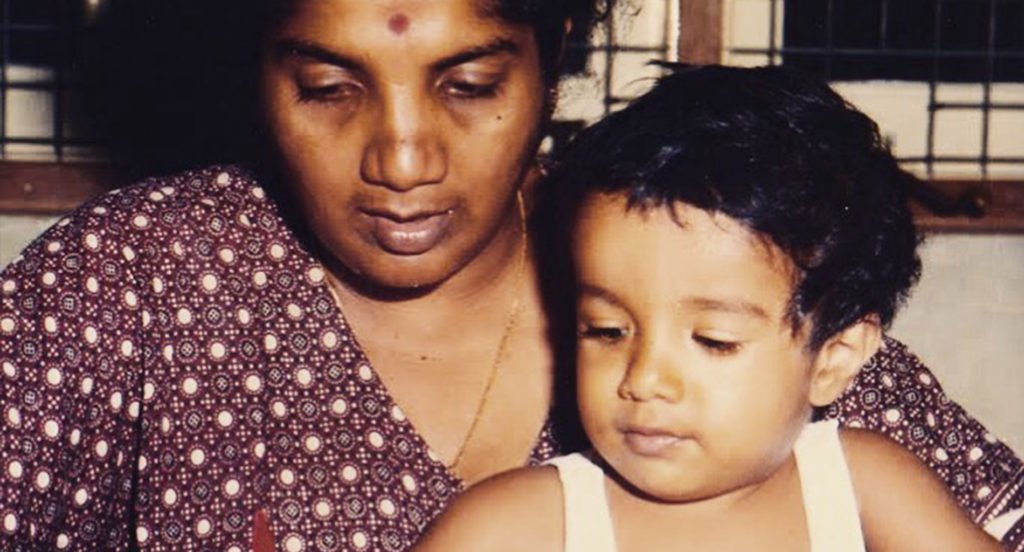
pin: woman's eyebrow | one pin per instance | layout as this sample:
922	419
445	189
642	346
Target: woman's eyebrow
290	47
500	45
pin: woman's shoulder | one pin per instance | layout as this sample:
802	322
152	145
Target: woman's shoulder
188	196
516	510
218	212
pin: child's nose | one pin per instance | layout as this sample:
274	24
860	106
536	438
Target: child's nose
654	373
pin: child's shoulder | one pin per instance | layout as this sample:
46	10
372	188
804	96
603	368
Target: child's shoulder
517	488
516	510
903	505
880	466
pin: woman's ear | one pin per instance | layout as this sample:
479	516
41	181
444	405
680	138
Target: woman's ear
839	360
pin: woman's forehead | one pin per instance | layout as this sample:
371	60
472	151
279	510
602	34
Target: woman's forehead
369	25
396	15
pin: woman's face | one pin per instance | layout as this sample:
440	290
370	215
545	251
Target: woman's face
404	128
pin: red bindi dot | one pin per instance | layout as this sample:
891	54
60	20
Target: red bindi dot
398	23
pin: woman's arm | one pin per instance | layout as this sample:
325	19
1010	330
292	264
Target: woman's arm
517	510
903	506
898	396
70	387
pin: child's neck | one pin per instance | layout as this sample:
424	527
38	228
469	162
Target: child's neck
764	515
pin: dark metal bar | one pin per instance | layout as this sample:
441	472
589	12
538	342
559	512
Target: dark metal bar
994	160
45	84
829	30
5	54
51	141
27	27
883	26
967	105
773	23
892	52
57	92
932	88
609	39
620	48
986	111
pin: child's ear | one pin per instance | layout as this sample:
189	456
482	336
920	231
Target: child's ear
841	357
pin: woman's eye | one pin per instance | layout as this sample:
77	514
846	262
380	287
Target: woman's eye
466	90
716	346
607	334
328	93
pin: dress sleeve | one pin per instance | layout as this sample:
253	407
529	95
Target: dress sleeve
897	395
70	387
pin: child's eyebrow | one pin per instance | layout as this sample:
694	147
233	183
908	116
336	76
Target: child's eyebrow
736	306
599	292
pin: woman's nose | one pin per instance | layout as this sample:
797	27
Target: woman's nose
654	373
406	147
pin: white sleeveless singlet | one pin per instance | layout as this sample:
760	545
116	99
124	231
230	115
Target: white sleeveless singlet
833	522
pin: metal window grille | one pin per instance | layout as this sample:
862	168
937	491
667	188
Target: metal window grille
40	41
941	44
606	72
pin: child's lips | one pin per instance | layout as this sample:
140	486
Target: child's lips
651	441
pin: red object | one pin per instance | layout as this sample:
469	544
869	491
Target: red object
398	23
262	537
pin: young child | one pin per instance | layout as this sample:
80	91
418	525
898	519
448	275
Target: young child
740	239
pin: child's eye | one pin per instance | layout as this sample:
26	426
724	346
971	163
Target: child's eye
716	346
606	334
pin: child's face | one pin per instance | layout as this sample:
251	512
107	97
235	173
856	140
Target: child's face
692	381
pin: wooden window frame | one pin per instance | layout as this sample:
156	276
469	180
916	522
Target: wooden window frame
51	188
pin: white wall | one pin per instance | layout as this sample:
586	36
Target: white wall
16	231
966	321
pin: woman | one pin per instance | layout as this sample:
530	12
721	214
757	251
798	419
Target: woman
175	356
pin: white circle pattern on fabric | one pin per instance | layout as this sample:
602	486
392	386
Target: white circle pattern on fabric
192	281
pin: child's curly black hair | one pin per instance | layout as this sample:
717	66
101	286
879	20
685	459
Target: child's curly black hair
779	152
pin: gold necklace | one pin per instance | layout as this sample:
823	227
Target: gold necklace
499	352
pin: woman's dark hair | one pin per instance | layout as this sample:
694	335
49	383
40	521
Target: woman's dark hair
548	18
779	152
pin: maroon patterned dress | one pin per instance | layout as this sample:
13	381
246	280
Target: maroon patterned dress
171	360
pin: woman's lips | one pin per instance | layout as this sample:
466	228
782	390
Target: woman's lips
409	236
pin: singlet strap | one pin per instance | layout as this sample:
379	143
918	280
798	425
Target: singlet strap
588	523
833	518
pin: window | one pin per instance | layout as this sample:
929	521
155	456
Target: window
39	51
943	78
921	40
614	67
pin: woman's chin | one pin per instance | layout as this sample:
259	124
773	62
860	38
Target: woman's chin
397	276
